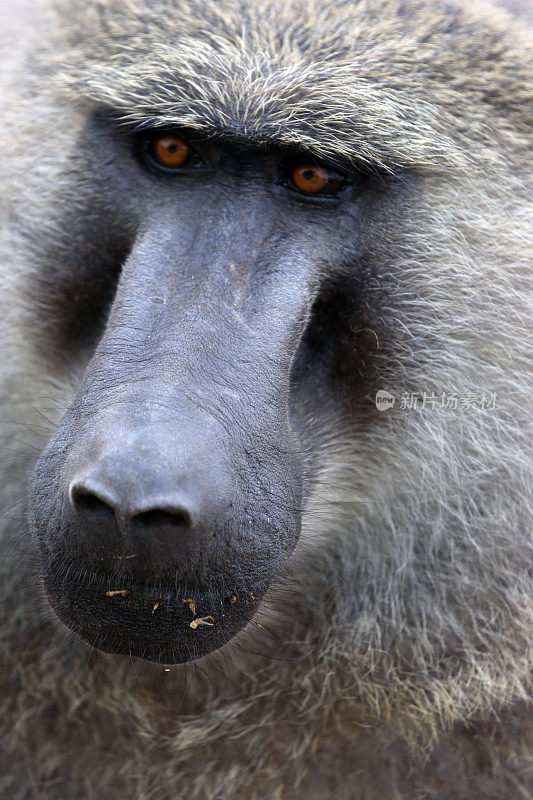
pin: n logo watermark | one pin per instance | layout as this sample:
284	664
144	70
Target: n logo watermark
384	400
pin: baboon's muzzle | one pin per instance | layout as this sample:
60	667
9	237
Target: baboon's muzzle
172	489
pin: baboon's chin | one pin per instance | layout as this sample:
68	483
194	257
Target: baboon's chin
165	625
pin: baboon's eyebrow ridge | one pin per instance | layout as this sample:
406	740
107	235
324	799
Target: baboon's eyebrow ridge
238	140
366	121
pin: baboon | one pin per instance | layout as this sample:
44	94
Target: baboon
264	394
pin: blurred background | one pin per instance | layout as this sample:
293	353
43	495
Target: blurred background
14	17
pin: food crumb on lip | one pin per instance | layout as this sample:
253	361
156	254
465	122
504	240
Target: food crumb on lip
156	605
202	621
117	592
191	604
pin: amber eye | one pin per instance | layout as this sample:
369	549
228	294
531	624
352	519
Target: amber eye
171	151
309	178
312	179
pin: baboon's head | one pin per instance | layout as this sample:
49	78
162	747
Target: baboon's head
218	283
255	216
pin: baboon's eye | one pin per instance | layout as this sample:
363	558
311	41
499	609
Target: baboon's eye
314	179
168	152
171	151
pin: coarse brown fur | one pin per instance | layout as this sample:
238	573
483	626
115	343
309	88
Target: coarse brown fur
393	657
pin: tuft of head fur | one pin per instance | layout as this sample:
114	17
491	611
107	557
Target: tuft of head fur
407	605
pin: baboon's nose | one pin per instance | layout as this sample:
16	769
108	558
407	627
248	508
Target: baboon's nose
117	518
95	498
145	493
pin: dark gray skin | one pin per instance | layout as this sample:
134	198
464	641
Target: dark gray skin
180	469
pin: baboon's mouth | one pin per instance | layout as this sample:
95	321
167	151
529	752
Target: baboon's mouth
155	622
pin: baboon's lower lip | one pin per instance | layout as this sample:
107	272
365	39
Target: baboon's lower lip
160	624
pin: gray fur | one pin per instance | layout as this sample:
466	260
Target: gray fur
393	657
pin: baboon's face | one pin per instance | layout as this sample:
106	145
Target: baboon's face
211	286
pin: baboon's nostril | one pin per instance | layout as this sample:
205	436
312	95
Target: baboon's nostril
157	517
86	500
